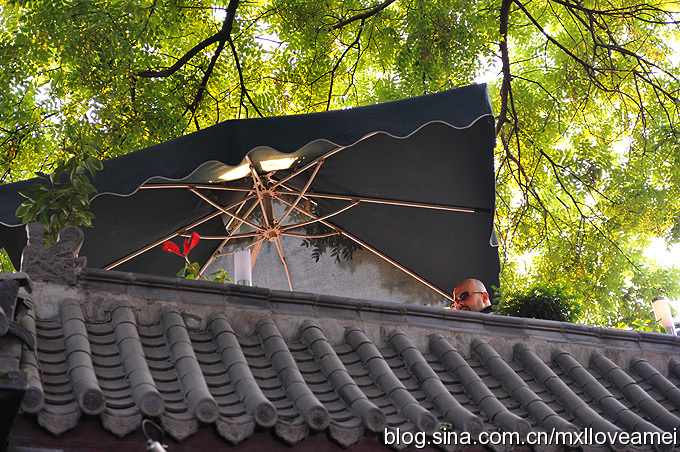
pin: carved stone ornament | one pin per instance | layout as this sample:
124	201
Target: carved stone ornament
57	262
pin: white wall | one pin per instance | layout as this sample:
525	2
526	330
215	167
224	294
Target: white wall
366	276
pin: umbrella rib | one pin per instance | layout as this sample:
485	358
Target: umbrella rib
159	241
227	237
310	236
238	211
205	186
393	202
224	242
279	247
313	162
383	256
292	192
229	253
303	191
240	223
256	176
174	234
232	235
315	219
225	209
211	258
395	263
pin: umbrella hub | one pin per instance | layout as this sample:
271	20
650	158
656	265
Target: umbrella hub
272	233
268	193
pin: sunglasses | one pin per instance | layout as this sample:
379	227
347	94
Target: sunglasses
464	296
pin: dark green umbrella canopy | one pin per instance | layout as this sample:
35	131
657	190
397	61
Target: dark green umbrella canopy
411	180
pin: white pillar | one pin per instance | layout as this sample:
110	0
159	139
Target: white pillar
243	273
662	313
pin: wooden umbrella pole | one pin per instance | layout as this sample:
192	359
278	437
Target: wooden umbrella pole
263	199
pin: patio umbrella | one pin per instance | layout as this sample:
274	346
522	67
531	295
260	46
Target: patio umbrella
411	180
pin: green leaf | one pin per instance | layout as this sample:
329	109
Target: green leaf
28	196
93	165
21	210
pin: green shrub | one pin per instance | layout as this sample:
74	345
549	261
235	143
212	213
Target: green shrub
541	302
62	198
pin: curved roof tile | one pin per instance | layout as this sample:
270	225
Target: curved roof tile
354	368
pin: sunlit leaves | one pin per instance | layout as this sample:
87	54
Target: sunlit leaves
589	172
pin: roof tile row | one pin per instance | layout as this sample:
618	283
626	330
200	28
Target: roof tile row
123	372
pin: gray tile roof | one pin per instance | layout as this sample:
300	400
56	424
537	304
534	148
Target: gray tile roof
126	347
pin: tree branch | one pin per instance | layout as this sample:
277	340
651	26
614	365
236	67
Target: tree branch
220	36
148	18
634	11
363	16
584	218
244	91
590	70
505	59
182	61
647	67
337	64
204	82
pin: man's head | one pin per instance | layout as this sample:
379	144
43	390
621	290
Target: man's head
471	295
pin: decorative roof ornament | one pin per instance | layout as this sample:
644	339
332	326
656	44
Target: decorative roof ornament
55	263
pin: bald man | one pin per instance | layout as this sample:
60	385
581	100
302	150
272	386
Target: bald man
471	295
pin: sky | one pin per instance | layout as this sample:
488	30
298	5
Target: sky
665	257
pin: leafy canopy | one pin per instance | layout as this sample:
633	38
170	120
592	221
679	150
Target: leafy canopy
586	100
61	198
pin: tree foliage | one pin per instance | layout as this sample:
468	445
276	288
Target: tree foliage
586	100
541	302
62	198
